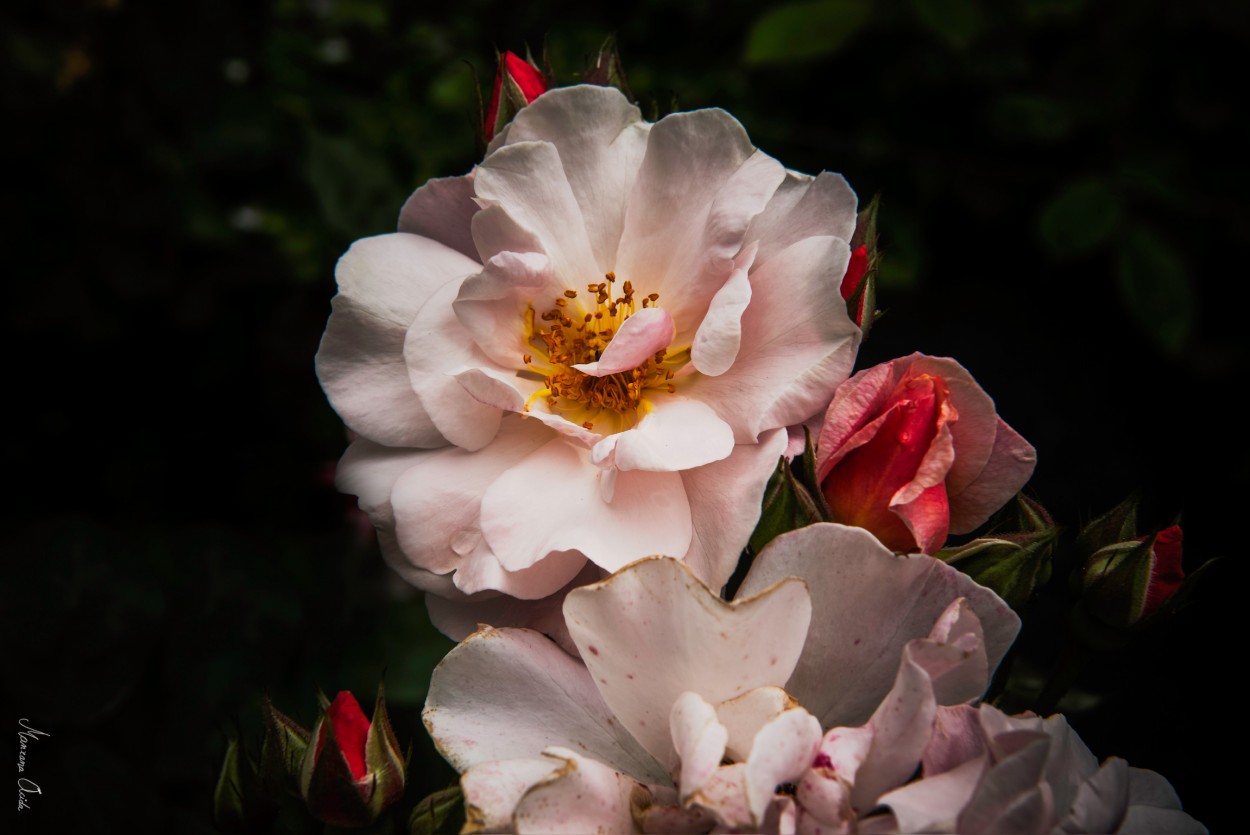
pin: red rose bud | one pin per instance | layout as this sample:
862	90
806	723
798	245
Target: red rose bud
517	83
855	272
353	769
912	450
1127	582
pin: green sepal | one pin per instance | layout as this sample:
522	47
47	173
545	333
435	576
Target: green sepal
1116	525
282	752
240	803
1114	582
442	811
792	499
864	298
606	70
383	759
1016	558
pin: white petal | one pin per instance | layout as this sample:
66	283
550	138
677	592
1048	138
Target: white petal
436	348
528	180
437	499
871	603
492	790
782	751
369	472
725	505
719	337
745	715
640	337
797	342
678	434
383	282
600	138
493	305
509	693
804	207
934	803
724	797
442	210
550	501
653	631
582	796
1012	797
699	739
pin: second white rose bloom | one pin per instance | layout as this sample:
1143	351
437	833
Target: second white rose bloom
588	349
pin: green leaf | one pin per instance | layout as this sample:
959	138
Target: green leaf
432	814
801	31
957	22
1155	287
1080	217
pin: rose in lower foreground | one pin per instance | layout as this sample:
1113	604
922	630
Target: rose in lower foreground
913	449
588	348
690	714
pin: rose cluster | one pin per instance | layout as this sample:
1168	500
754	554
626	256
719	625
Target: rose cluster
571	375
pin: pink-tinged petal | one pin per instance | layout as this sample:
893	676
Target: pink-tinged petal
782	751
654	631
436	348
496	232
1012	796
826	798
843	751
901	727
797	343
369	471
719	336
497	389
1155	808
678	434
437	500
954	656
527	179
725	506
698	187
871	603
551	501
601	139
511	693
1069	762
458	616
639	338
699	739
780	816
724	797
934	803
926	518
581	796
745	715
442	210
956	739
383	283
674	820
493	789
804	207
973	432
1009	467
1101	801
481	571
492	305
576	433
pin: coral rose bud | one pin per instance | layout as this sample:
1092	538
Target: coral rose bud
517	83
913	449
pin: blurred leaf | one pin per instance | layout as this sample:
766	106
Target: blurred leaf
1039	118
800	31
1080	217
957	22
1036	10
356	190
1156	289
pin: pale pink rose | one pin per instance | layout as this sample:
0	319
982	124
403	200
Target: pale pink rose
687	712
588	349
913	449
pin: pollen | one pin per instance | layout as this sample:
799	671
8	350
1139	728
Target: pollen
573	330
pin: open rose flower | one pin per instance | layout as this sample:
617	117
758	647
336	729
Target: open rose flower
913	450
691	714
589	348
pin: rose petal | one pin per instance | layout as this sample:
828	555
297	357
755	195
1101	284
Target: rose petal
934	803
640	337
653	631
724	797
699	740
804	207
744	715
511	693
581	796
493	789
1010	466
797	343
383	282
1011	796
550	501
719	337
871	603
678	434
442	210
956	739
783	749
492	305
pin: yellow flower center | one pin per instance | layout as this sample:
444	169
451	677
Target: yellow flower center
573	332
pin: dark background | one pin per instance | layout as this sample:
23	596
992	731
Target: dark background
1063	211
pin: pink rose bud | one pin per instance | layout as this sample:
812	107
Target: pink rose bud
353	769
517	83
912	450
